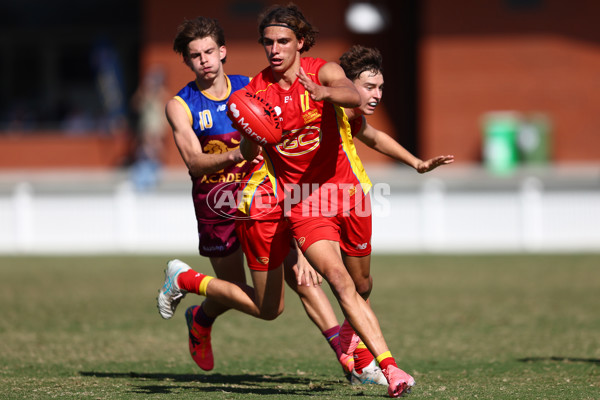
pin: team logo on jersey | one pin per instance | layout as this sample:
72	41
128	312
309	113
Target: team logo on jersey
352	191
296	145
361	246
263	260
219	147
216	147
301	241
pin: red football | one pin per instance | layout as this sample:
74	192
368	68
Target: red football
254	117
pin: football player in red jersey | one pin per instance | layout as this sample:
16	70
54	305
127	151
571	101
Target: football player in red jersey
318	152
364	67
312	94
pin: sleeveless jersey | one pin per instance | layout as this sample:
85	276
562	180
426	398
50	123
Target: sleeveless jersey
214	194
315	165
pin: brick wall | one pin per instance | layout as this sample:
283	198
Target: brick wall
478	56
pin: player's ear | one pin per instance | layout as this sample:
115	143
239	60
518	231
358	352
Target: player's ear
300	44
222	52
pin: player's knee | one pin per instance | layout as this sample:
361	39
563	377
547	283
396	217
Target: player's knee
271	313
292	284
340	282
364	287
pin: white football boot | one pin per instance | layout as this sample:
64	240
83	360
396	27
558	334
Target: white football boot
371	374
170	294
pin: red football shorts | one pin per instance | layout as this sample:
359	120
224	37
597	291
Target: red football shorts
351	229
217	240
265	243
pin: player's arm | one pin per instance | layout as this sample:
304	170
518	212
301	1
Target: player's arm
383	143
336	88
198	162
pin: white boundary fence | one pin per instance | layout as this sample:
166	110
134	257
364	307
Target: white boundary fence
432	213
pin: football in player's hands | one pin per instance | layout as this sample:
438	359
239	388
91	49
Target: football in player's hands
256	119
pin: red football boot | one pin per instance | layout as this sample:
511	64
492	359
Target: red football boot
199	341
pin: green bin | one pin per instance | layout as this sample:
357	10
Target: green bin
500	150
534	140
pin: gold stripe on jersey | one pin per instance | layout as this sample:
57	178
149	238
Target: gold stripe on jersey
249	190
253	183
348	145
271	174
187	109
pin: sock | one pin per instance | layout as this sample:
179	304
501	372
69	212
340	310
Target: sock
385	360
362	357
348	338
193	282
333	338
202	319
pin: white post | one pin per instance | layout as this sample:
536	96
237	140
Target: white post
433	213
532	224
23	206
126	221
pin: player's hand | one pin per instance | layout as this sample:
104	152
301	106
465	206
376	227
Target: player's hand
238	157
250	151
306	275
317	92
433	163
259	157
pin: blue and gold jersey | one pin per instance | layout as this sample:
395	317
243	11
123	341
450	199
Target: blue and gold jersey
214	193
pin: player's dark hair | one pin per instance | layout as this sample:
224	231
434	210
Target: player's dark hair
359	59
292	17
197	28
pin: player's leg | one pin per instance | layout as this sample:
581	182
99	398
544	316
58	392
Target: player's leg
355	243
181	279
319	310
325	256
200	318
268	292
229	268
266	244
359	268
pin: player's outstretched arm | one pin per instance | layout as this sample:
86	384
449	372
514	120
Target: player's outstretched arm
383	143
198	162
336	88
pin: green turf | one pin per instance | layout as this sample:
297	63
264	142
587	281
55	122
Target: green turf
466	327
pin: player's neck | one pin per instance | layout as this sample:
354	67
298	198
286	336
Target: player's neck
287	78
216	87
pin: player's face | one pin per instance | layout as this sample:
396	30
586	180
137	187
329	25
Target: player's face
370	88
281	47
205	58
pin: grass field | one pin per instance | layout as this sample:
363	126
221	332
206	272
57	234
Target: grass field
466	327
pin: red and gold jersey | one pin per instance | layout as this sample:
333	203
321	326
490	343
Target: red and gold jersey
316	165
258	200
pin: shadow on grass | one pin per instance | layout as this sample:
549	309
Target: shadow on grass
262	384
560	359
